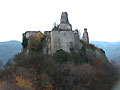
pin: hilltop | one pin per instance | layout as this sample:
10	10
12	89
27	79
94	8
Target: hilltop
62	37
59	60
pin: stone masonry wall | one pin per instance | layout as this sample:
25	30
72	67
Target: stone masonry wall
47	49
62	40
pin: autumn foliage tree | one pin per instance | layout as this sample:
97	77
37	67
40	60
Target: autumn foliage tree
36	43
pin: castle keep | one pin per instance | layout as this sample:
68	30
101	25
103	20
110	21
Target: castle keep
61	37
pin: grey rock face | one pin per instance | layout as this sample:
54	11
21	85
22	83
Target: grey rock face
62	40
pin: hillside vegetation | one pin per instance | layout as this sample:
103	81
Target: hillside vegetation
62	71
88	69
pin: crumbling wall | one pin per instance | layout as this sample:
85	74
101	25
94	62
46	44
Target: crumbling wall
62	40
31	33
85	37
47	49
61	37
78	44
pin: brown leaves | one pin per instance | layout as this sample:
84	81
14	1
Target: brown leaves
23	82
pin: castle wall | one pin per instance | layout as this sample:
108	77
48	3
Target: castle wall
47	49
78	44
85	37
29	33
62	40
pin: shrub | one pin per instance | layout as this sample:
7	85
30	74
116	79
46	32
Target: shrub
61	55
25	42
22	82
84	55
36	44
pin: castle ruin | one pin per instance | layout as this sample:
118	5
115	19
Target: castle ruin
61	37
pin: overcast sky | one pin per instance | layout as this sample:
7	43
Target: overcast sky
100	17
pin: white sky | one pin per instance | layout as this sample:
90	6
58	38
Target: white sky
101	17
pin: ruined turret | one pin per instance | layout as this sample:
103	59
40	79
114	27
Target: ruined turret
64	22
64	18
85	37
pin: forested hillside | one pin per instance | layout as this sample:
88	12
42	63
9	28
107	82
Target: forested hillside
62	71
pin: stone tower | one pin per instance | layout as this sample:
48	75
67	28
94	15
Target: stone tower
63	36
64	22
85	37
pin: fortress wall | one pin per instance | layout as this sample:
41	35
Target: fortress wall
62	40
29	33
78	44
48	42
